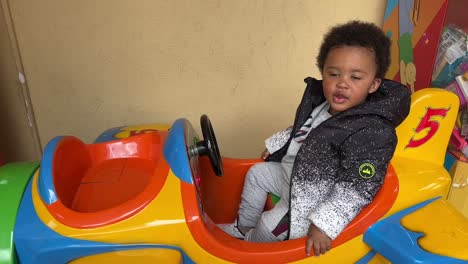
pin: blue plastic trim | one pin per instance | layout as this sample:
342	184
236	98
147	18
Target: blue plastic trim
367	258
46	180
37	243
108	135
175	151
449	161
400	245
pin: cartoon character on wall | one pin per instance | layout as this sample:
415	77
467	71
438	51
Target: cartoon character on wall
409	15
414	27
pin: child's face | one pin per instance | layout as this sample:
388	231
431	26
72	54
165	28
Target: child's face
348	77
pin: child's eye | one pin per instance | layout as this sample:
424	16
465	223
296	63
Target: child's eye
356	77
333	74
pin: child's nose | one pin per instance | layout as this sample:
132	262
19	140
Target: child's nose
342	83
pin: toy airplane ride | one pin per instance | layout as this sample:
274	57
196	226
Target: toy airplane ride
151	194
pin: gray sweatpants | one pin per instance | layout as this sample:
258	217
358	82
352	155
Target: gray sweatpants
261	179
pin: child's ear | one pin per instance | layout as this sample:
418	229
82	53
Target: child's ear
375	85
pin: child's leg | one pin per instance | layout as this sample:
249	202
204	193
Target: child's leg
261	179
272	226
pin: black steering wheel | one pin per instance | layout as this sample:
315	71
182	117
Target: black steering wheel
209	146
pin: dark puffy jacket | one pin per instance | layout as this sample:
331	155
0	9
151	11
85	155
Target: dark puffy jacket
342	163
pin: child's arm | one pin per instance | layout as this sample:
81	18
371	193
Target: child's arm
265	154
317	240
365	157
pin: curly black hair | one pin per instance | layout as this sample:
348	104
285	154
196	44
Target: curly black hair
361	34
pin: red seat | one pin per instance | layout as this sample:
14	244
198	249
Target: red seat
100	184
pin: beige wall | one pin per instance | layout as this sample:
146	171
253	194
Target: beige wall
18	140
92	65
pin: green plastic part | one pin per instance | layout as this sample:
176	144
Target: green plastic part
14	178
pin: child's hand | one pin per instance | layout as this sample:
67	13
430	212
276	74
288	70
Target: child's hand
318	240
265	154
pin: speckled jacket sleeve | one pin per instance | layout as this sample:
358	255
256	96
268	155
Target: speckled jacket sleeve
278	140
355	189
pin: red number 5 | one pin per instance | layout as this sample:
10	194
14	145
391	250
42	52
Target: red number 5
427	122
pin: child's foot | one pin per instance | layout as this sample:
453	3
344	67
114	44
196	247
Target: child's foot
233	229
